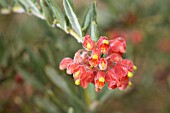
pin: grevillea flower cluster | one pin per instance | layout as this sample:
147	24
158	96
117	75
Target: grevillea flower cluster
99	63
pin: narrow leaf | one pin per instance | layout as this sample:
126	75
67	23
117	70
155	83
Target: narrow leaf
47	12
31	7
58	15
94	32
72	18
94	17
87	20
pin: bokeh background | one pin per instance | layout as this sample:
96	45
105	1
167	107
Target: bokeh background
31	50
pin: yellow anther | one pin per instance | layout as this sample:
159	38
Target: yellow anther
130	83
91	67
95	56
105	42
130	74
76	74
103	64
101	79
77	82
89	46
134	67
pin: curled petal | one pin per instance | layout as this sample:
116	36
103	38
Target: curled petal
88	43
112	84
118	45
81	57
71	67
127	64
120	71
123	83
109	74
65	62
115	57
111	78
86	78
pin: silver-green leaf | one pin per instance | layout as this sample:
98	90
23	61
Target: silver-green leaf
72	18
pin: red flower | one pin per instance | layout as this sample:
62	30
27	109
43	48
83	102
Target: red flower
78	72
95	57
103	64
99	80
117	77
118	45
127	64
115	57
88	43
103	44
100	64
86	78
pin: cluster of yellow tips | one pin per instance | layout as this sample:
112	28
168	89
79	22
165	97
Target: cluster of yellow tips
130	75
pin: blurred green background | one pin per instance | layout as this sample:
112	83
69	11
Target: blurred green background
31	50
